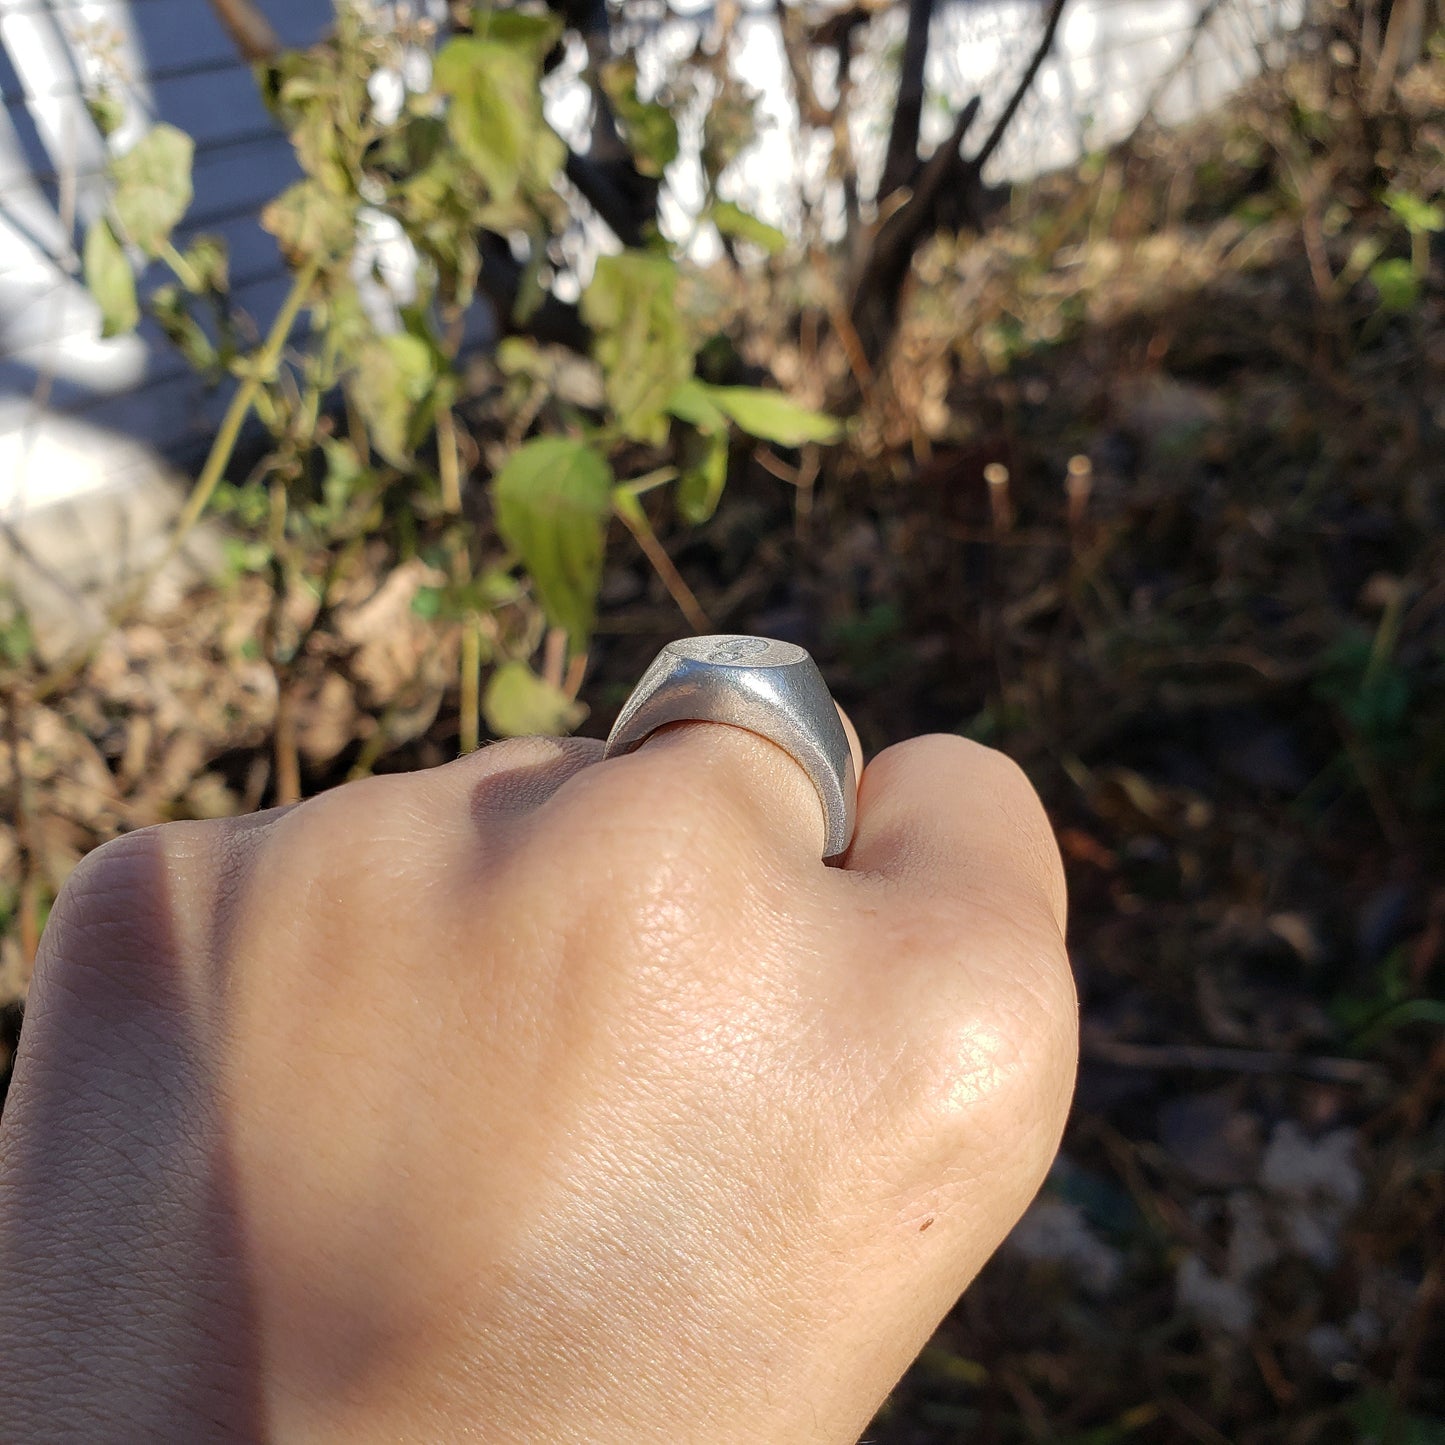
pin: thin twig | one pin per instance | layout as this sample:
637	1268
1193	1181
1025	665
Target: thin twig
902	158
1202	22
847	334
1212	1059
448	463
469	725
629	509
1046	44
250	31
811	111
554	656
1406	17
874	316
28	903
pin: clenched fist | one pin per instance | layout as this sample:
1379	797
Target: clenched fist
531	1099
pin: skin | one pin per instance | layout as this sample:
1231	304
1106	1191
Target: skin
532	1098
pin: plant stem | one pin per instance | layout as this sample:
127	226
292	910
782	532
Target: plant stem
448	465
241	403
1387	637
287	782
469	720
629	509
469	725
219	457
649	481
185	272
28	901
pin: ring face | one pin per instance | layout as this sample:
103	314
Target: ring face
769	687
735	650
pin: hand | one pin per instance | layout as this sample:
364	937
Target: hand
531	1099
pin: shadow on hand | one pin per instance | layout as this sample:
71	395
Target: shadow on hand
125	1312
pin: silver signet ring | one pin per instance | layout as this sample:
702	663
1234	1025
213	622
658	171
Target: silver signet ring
770	688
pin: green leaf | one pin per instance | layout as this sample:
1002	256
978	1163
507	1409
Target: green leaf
320	96
691	403
107	112
110	279
320	148
649	129
729	126
1397	284
310	222
638	340
733	221
153	186
339	315
168	306
552	500
532	35
770	416
495	114
705	474
426	602
17	642
1417	213
394	374
208	259
1379	1420
346	474
518	703
519	356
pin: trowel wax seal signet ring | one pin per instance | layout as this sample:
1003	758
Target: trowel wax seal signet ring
768	687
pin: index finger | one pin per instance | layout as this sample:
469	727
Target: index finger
950	816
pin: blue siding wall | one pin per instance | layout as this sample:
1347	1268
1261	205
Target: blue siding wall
184	70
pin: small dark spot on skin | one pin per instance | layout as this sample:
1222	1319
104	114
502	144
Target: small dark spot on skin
925	1224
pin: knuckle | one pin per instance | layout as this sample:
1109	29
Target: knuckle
656	804
111	932
630	853
343	828
933	753
1005	1040
512	779
995	784
946	756
129	877
378	853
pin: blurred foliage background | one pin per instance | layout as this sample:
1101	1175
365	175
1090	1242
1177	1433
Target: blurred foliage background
1134	471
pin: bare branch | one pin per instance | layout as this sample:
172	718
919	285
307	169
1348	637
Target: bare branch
881	281
811	110
1401	48
875	298
1046	44
624	199
250	31
902	160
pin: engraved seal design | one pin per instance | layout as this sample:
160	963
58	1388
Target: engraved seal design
738	649
724	649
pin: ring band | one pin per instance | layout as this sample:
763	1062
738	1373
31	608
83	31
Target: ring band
768	687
